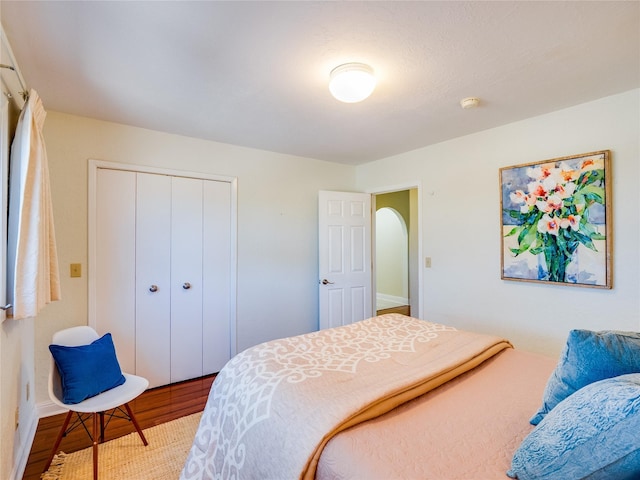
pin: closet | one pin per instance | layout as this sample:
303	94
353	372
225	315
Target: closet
162	271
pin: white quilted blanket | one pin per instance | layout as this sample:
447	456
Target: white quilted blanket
273	407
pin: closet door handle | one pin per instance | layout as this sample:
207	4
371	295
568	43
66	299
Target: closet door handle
186	285
6	307
153	288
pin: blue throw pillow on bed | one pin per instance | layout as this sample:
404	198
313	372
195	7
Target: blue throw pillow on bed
588	357
87	370
591	434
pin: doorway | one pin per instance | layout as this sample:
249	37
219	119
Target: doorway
396	255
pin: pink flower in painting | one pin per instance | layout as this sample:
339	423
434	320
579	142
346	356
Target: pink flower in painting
543	206
571	221
550	204
540	172
548	224
566	190
554	202
526	199
537	190
518	196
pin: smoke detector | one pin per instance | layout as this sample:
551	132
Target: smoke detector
469	102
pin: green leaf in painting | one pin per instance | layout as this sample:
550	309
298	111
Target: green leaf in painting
513	231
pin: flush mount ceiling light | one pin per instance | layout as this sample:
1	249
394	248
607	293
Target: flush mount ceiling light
352	82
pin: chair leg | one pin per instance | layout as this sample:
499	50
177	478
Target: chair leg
101	427
95	445
135	424
65	424
98	436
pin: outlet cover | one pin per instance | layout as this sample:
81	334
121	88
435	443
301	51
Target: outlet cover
75	270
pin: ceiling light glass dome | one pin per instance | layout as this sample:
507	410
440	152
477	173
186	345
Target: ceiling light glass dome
352	82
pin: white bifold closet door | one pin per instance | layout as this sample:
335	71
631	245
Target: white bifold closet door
187	330
163	275
152	343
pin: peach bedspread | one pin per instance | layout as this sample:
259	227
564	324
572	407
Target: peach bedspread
273	407
468	428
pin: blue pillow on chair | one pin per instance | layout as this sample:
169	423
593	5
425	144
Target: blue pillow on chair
87	370
592	434
588	357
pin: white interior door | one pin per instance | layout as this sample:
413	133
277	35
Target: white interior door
345	283
153	276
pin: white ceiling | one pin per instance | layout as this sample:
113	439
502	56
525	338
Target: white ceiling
255	73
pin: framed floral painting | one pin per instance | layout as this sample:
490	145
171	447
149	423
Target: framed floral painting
556	221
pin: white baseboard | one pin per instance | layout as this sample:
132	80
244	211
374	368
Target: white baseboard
25	448
44	409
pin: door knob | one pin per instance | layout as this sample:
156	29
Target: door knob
6	307
153	288
326	282
186	285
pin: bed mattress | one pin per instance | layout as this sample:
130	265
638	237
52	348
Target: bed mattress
468	428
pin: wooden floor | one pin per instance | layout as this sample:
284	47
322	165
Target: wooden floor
153	407
404	310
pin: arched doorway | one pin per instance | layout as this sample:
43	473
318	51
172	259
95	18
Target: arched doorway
392	261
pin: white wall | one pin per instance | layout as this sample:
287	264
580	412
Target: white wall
277	222
461	224
392	255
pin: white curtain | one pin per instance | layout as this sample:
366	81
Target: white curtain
33	279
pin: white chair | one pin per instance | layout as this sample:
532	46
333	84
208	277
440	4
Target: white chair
110	401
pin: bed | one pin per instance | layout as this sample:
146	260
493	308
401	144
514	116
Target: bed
394	397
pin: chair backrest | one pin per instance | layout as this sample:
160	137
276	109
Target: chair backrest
74	336
69	337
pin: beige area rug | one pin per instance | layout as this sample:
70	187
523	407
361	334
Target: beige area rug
126	458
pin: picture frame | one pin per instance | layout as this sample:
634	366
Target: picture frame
556	221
